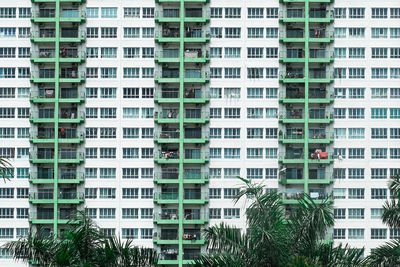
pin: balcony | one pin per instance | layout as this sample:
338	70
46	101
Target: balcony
190	56
188	177
196	76
189	197
292	76
296	156
62	1
321	116
292	196
71	177
197	15
166	137
43	36
70	157
68	55
196	36
41	217
167	76
167	116
71	96
70	136
168	35
320	137
45	197
72	36
292	116
320	157
320	76
321	35
196	116
292	16
321	16
292	56
321	56
69	197
43	76
71	116
43	156
315	177
171	238
186	1
167	16
166	198
303	1
167	156
43	56
73	15
72	76
42	177
197	96
292	36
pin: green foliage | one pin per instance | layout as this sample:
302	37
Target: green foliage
83	245
275	238
5	169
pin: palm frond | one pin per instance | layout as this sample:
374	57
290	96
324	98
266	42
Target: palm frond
5	169
386	255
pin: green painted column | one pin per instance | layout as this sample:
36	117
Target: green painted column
306	92
181	128
56	116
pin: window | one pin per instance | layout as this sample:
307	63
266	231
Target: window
147	32
7	52
356	73
378	173
356	13
216	32
356	193
376	213
356	113
356	213
91	92
356	32
339	193
395	13
147	133
271	153
232	153
254	133
340	92
356	233
92	73
108	52
254	173
378	133
215	213
231	173
271	52
130	153
379	33
129	233
23	92
356	133
22	173
146	233
394	73
232	73
108	32
379	13
232	12
130	193
255	73
131	92
271	33
130	213
255	52
214	173
7	73
108	12
215	113
232	52
356	173
271	173
23	133
271	133
131	12
215	193
7	32
24	12
339	233
147	153
92	12
23	213
24	32
394	33
6	192
130	113
394	133
339	73
378	233
146	213
378	113
339	152
379	52
379	93
255	93
108	73
231	213
394	52
132	33
340	52
340	12
131	72
379	73
148	12
254	153
271	12
8	12
147	113
6	233
92	32
232	133
230	193
339	113
339	213
356	153
7	133
255	113
232	113
271	113
22	193
107	173
340	33
255	33
232	33
216	12
255	13
395	153
339	173
107	193
21	232
216	52
147	173
130	173
356	52
91	173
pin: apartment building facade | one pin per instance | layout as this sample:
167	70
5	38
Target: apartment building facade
143	113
